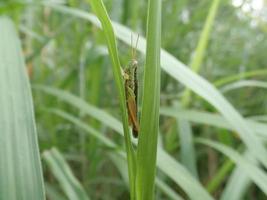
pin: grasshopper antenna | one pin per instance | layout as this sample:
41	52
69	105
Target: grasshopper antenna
134	51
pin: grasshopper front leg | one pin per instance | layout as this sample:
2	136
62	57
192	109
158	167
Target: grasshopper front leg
132	111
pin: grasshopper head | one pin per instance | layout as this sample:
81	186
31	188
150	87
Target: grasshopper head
125	76
134	62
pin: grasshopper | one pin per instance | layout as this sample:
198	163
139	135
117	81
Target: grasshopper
131	90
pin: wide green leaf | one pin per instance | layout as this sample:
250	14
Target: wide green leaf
20	167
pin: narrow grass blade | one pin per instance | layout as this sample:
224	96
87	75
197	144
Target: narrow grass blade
101	12
70	185
187	144
122	168
243	84
236	77
211	119
238	182
20	167
149	120
181	176
202	45
258	176
188	157
52	193
167	190
98	114
220	176
78	122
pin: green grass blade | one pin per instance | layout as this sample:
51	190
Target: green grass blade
244	84
220	176
212	119
89	129
202	45
167	190
238	182
52	193
236	77
99	115
20	167
204	37
70	185
122	168
181	176
258	176
149	120
188	157
101	12
187	149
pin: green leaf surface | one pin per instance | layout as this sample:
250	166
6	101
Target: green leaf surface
20	167
149	120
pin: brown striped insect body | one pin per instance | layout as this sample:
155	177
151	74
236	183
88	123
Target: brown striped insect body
131	90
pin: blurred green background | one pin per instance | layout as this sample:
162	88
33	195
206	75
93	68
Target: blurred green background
69	53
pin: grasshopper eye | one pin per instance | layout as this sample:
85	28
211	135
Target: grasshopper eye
126	76
135	62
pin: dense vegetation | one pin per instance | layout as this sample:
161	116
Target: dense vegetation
208	121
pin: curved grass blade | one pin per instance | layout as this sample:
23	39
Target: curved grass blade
242	84
238	182
101	12
61	170
258	176
211	119
202	45
20	167
236	77
185	130
52	193
220	176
